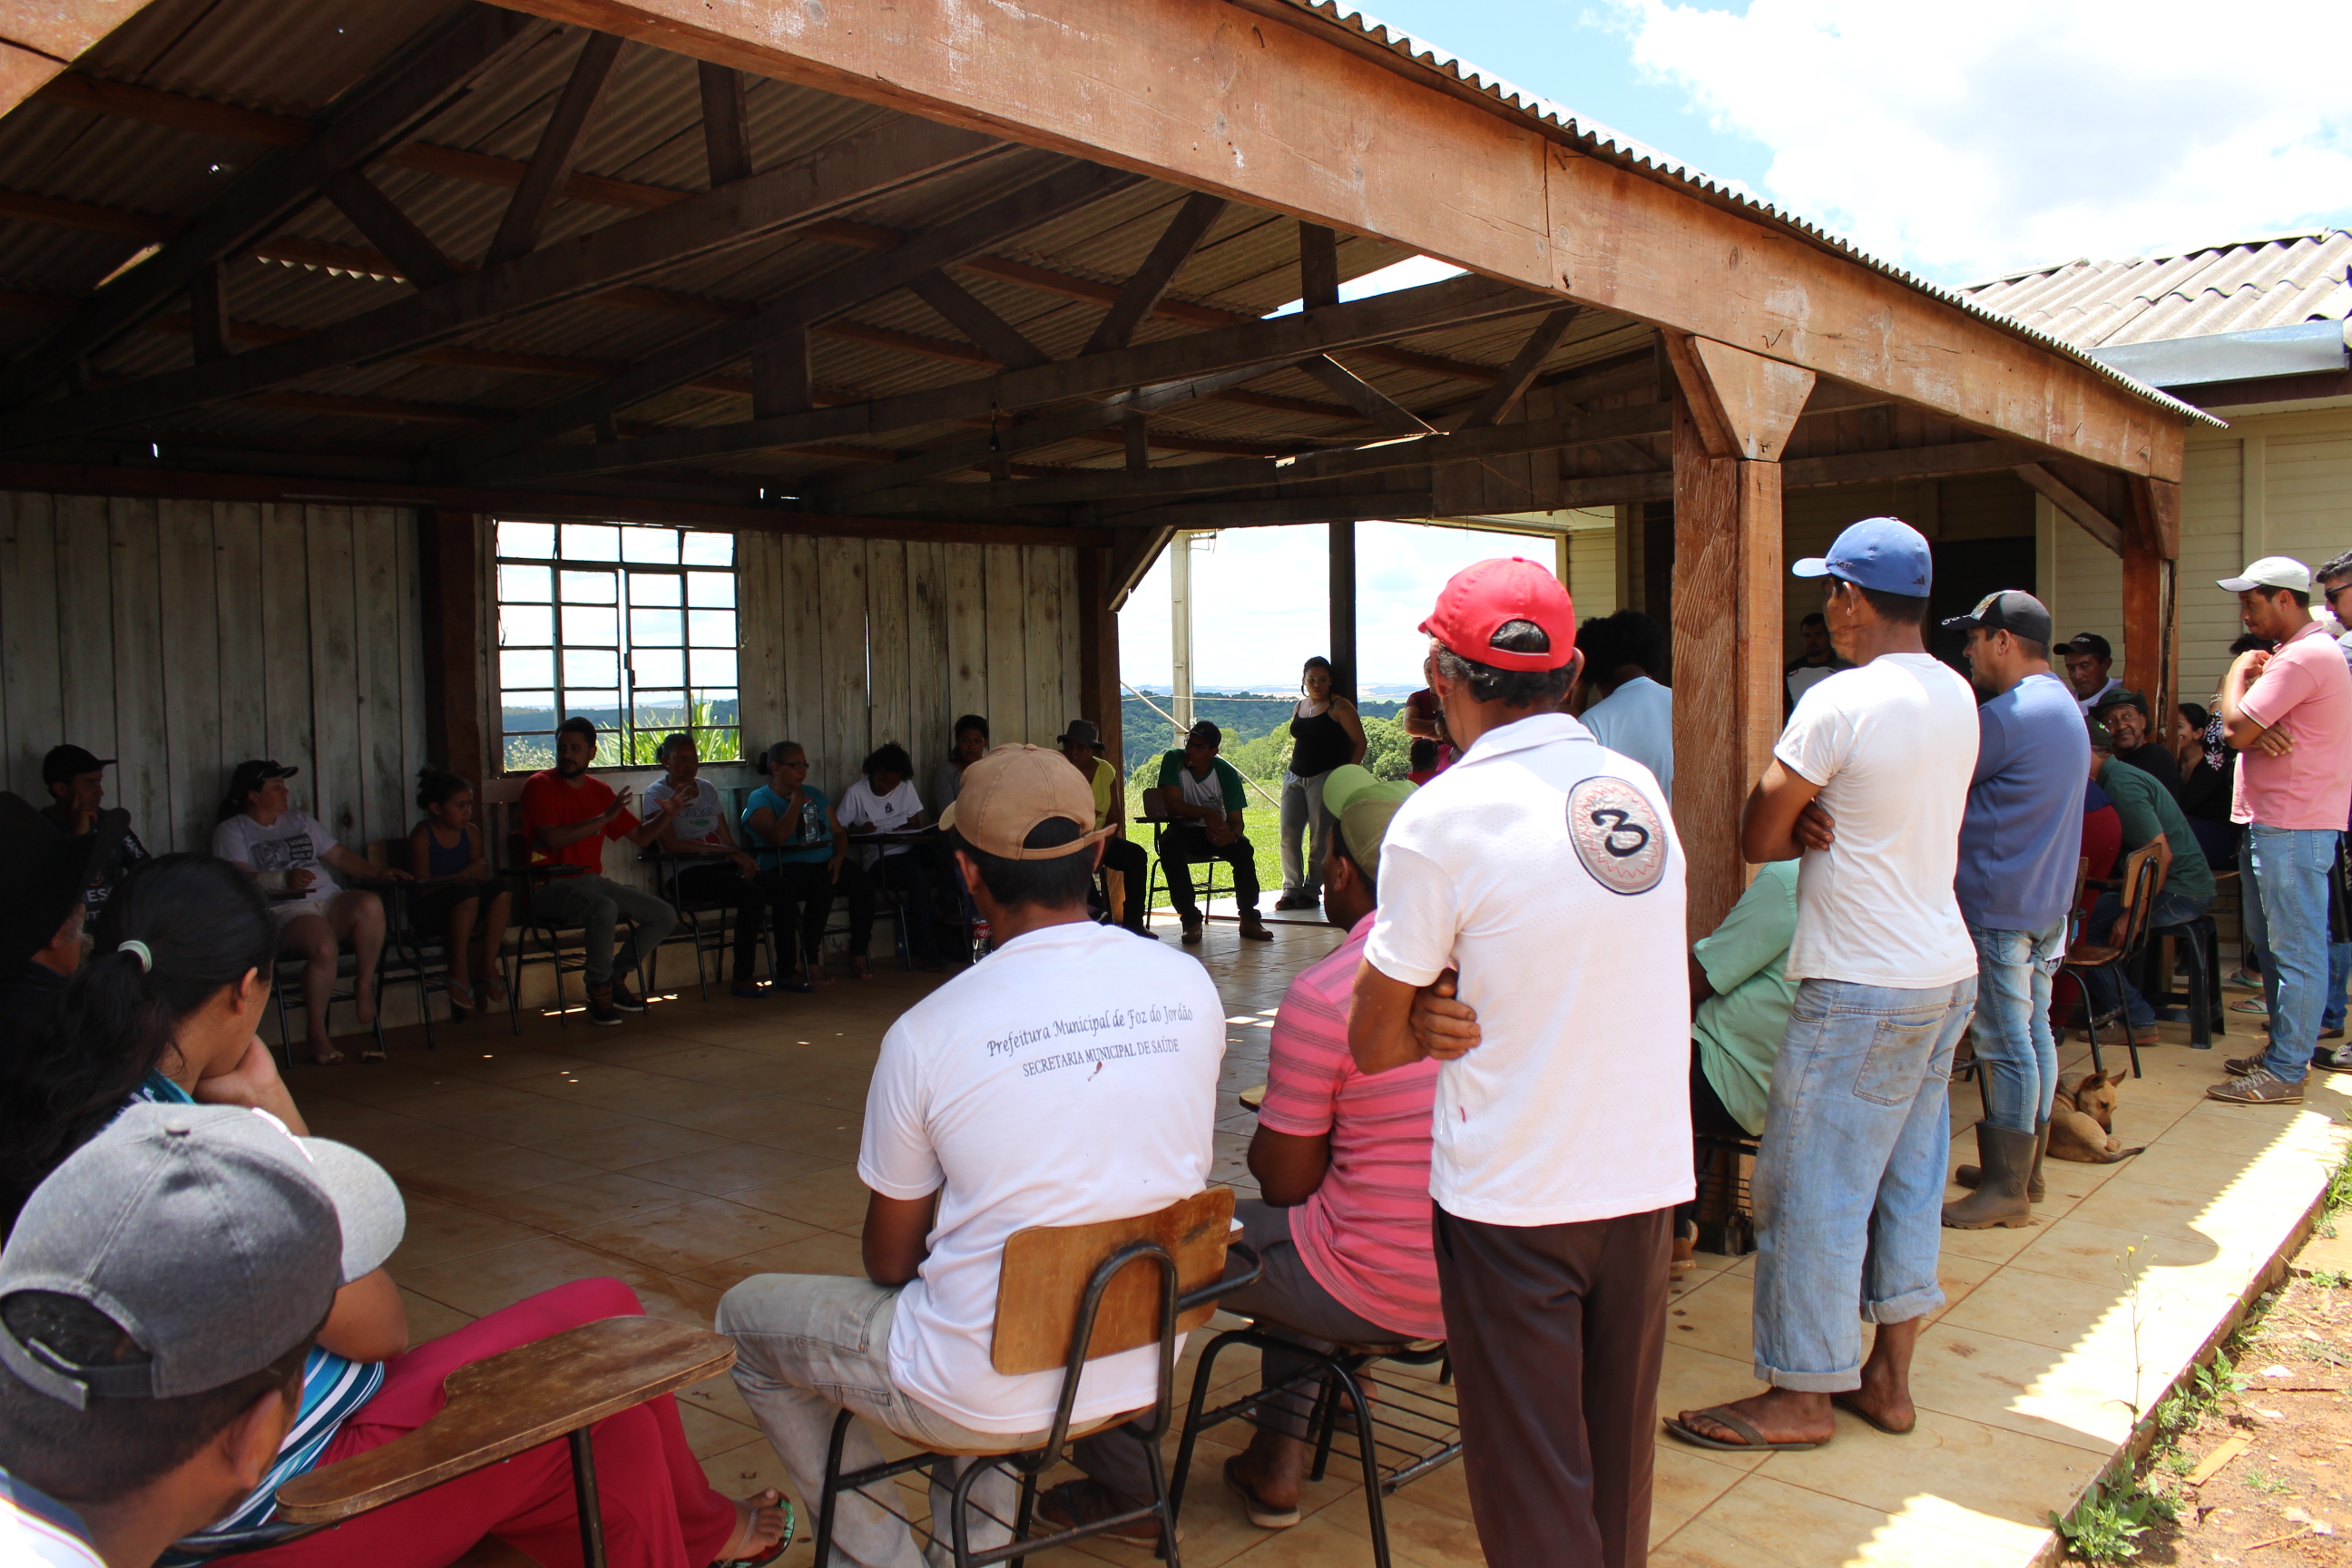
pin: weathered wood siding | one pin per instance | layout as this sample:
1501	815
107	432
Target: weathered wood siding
849	643
183	636
2272	484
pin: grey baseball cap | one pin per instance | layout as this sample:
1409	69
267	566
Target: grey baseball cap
213	1237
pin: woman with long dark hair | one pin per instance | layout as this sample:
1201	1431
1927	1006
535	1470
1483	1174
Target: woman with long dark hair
166	1009
1325	733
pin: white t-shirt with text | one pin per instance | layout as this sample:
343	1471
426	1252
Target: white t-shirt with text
1892	743
696	821
293	843
1070	1077
1545	868
860	806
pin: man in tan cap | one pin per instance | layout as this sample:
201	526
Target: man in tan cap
1068	1077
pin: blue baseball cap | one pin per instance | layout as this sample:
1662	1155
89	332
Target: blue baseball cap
1885	555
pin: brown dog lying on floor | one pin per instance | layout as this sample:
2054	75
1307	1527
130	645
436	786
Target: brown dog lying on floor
2082	1122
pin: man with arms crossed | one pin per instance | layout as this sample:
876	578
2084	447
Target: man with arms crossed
2020	840
1542	869
1868	783
986	1117
2290	712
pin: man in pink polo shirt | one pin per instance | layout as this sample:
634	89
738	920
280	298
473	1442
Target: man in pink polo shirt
1342	1222
2290	712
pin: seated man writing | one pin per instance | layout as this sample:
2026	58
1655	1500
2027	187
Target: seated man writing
1068	1079
1205	795
1342	1222
1740	1009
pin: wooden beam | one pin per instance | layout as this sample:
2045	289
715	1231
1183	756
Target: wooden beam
1342	543
386	108
208	313
725	124
1727	631
1521	372
1133	552
37	41
994	336
393	232
840	174
449	572
1268	344
99	479
1318	267
2152	592
1363	396
1135	433
2068	499
1177	242
826	296
1097	632
559	146
1210	96
1742	404
781	381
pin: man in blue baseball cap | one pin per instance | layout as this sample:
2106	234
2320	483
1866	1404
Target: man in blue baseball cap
1866	789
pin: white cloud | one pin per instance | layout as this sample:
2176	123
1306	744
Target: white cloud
1970	140
1261	598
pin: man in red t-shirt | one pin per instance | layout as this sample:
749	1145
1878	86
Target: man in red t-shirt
567	815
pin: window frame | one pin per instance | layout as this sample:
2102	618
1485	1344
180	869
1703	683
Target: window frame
623	744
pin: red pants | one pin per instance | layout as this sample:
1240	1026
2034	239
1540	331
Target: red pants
659	1511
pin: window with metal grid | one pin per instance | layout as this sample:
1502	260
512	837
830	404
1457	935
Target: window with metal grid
632	626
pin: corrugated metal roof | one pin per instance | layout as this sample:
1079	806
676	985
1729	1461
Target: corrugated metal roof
1614	146
2272	280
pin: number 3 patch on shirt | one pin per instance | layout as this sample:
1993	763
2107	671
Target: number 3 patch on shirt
1617	835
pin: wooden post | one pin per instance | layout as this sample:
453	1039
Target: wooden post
1343	609
1732	411
2151	556
449	580
1098	630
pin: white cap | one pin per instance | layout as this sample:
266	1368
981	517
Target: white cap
2271	572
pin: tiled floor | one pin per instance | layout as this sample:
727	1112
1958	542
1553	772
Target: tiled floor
706	1141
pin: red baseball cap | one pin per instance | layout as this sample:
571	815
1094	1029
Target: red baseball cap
1479	600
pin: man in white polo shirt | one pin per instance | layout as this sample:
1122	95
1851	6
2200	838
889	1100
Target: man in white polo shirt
1540	878
1070	1077
1868	783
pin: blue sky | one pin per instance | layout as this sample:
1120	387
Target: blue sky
1960	140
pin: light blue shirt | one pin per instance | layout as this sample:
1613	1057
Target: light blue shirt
1637	720
2024	829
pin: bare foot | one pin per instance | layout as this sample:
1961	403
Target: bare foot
1884	1397
860	967
324	1053
363	1003
760	1522
1779	1416
817	976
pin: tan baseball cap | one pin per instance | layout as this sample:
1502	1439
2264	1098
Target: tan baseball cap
1006	793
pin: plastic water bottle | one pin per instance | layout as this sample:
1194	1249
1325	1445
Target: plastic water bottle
984	940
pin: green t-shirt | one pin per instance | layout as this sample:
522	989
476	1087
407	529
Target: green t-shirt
2148	808
1222	782
1738	1028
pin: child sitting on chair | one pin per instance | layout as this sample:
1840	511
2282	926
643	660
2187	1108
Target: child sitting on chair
459	896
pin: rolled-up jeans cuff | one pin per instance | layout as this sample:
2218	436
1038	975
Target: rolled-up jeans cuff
1811	1381
1904	1308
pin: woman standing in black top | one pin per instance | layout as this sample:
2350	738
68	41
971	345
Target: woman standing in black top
1325	733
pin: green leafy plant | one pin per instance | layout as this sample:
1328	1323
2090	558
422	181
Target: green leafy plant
2327	1280
2263	1481
2107	1524
2219	1379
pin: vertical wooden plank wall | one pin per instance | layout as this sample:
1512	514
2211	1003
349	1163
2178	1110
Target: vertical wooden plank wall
183	636
954	629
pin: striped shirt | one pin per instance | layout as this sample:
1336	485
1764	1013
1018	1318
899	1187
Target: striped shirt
38	1531
1363	1234
332	1388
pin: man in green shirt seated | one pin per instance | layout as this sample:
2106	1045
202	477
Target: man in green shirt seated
1740	1009
2148	809
1203	796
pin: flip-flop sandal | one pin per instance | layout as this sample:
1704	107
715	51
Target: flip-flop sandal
333	1058
1752	1440
371	1056
772	1552
1264	1515
1846	1402
460	995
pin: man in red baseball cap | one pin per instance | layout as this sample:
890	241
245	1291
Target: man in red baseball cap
1539	878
